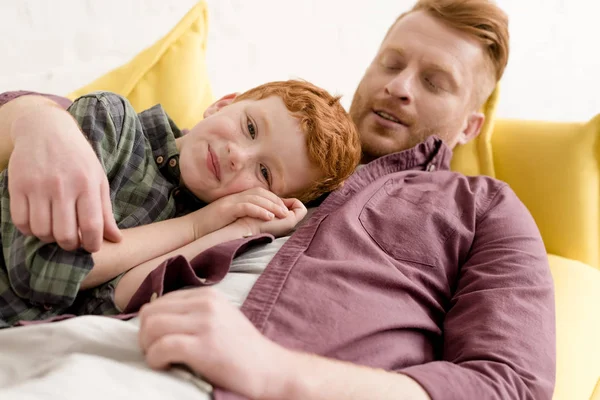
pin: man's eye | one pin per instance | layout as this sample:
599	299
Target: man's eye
431	84
391	65
265	173
251	128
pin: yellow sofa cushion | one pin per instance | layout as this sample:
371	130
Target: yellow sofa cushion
172	72
475	157
554	169
577	291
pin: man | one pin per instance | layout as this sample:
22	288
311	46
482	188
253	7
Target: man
409	282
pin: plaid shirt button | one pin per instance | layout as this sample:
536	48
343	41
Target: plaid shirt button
159	159
172	162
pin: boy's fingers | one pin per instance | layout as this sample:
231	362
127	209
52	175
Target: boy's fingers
277	208
269	195
253	211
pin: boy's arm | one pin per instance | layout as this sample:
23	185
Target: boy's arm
132	280
154	243
242	227
52	168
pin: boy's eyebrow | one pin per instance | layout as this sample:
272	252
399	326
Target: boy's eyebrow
277	165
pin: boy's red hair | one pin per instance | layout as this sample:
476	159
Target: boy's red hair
331	136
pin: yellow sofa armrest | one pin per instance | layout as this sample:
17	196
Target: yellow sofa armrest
554	169
577	295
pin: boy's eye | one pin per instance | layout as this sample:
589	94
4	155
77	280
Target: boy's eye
265	173
251	128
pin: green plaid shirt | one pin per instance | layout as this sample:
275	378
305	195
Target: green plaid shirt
138	153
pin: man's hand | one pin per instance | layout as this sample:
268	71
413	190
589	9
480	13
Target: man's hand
200	328
256	203
278	226
58	189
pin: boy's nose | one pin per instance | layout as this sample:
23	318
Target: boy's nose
237	156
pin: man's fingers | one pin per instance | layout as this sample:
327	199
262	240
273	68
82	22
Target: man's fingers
64	224
174	349
163	324
19	211
111	230
179	302
40	219
89	219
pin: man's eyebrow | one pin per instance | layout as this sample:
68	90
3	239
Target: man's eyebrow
265	129
448	71
394	50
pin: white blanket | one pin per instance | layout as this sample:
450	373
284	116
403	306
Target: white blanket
85	358
98	358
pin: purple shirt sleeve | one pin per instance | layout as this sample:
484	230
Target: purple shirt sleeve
499	332
8	96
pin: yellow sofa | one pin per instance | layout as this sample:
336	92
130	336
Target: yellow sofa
555	170
553	167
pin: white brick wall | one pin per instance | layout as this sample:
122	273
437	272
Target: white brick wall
59	45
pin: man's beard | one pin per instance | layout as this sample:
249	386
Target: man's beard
372	149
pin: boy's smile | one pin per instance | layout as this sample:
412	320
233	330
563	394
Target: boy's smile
213	164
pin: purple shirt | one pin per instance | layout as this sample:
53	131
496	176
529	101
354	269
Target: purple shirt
416	269
409	268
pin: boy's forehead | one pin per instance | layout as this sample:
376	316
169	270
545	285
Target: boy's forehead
274	113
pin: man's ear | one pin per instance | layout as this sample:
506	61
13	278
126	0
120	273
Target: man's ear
222	102
472	127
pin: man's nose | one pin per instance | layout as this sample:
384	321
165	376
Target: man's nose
401	86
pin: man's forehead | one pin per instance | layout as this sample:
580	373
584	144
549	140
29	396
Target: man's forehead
421	34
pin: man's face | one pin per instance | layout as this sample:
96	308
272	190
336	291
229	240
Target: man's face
421	83
246	144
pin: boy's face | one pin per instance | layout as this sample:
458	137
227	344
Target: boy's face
246	144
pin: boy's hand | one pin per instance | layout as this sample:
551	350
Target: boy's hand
277	226
58	189
255	203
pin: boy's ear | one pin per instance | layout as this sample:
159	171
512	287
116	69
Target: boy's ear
222	102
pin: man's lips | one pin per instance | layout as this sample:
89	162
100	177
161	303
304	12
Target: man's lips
213	164
390	117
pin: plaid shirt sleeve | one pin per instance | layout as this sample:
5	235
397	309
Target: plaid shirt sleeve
43	273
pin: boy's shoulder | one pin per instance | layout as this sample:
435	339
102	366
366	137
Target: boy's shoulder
104	101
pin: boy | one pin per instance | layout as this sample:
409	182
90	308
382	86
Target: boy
289	138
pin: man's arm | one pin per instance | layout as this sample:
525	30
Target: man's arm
52	168
499	333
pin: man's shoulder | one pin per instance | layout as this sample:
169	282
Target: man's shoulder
451	189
